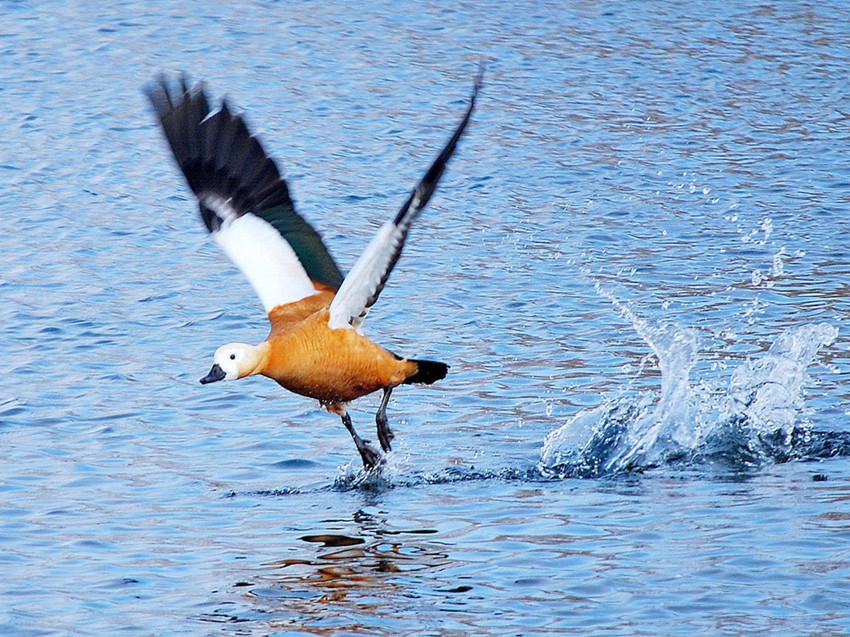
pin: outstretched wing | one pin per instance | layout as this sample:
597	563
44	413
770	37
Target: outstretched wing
244	202
367	278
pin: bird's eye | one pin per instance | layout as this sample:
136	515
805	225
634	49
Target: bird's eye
233	357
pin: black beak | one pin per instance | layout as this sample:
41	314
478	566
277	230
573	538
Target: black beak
216	373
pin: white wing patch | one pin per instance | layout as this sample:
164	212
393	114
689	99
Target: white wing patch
349	306
263	256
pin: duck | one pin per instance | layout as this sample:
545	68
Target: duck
315	347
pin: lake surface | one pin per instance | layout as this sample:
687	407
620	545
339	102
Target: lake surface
637	267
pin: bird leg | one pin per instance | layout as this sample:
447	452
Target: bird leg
385	434
370	455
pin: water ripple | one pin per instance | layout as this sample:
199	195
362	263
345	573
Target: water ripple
685	159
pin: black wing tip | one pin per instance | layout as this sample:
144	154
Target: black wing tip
479	80
216	152
426	187
166	95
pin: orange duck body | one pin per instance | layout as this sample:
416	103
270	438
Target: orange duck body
334	366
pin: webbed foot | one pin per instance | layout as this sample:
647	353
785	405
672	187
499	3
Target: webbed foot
371	456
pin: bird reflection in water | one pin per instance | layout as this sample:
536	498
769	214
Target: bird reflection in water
350	580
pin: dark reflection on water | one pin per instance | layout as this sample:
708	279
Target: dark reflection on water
350	588
333	540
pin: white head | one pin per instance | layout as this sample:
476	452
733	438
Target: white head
232	361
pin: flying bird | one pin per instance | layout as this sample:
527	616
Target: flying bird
315	347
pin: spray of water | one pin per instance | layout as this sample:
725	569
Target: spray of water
753	421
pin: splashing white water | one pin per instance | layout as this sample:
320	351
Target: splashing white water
627	433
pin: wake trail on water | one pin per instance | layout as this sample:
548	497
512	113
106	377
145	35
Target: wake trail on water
752	421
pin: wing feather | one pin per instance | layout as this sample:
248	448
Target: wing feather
367	278
244	202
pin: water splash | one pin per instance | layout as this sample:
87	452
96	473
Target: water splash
754	420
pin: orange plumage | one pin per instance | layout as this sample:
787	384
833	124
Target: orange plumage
307	357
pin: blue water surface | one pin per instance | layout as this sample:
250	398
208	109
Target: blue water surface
633	170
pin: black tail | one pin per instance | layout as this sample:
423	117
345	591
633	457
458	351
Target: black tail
428	372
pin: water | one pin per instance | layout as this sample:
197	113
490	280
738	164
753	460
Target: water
636	266
751	422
